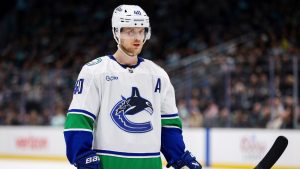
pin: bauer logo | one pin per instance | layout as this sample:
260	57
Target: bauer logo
132	106
137	12
78	86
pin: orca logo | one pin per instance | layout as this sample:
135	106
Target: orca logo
129	107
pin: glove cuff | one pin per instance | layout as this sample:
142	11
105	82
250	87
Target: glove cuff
89	158
185	159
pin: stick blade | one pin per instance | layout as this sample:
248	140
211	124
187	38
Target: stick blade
273	154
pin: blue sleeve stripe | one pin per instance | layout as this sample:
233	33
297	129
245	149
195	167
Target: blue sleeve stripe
169	115
126	154
84	112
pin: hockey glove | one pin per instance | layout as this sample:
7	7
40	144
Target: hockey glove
187	159
88	160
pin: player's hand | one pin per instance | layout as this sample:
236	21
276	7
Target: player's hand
188	160
88	160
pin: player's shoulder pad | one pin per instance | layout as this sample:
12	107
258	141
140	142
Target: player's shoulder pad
95	61
96	65
158	69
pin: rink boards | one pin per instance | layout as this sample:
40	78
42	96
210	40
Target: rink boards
216	148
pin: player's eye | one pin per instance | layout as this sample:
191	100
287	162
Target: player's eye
131	33
141	32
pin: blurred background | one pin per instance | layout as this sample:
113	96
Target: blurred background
234	64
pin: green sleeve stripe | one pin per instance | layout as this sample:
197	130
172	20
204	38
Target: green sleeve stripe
79	121
171	122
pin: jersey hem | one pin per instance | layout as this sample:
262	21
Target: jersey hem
127	154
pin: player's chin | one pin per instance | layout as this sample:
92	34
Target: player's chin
136	51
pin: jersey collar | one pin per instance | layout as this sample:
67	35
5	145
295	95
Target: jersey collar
140	59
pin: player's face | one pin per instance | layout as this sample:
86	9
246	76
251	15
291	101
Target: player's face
132	40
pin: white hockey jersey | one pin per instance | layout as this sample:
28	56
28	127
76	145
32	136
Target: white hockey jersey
124	107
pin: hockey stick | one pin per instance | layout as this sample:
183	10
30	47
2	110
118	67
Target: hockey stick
273	154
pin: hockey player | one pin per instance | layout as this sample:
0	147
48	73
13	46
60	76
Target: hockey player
123	112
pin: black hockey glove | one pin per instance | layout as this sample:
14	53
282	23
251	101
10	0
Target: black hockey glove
88	160
187	159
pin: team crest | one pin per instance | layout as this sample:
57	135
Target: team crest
129	107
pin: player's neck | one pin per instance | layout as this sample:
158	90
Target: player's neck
124	58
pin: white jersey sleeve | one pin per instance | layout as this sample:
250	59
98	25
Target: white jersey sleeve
169	111
86	96
82	114
169	102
